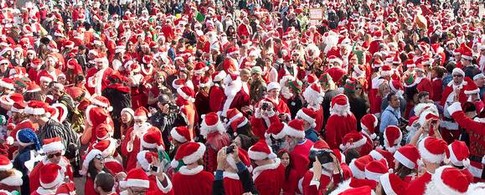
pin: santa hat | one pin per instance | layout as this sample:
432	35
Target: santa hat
466	53
51	175
392	184
45	77
186	93
66	189
313	93
392	138
94	153
129	111
320	145
470	88
218	76
357	166
32	87
52	145
386	70
369	122
308	115
200	68
103	102
458	71
144	158
276	130
448	180
261	151
7	83
189	153
230	66
141	113
5	163
103	131
375	169
136	178
433	150
180	134
408	156
295	128
26	137
211	123
152	139
238	123
340	105
61	112
107	147
95	115
205	82
273	85
352	140
4	192
232	114
459	153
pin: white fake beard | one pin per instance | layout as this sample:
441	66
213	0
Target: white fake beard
286	93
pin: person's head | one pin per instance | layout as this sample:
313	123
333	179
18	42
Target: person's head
57	90
438	72
423	97
284	156
127	115
273	90
164	102
393	100
245	75
103	183
101	63
433	151
479	80
458	75
54	149
384	89
137	182
97	164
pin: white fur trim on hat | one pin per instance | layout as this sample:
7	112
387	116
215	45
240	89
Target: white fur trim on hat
376	155
305	117
458	71
312	96
440	185
427	155
150	146
89	157
140	157
6	167
293	132
175	135
220	76
185	96
273	85
356	172
52	147
205	129
465	162
7	85
138	183
404	160
386	184
353	145
455	107
195	156
101	104
13	180
57	181
260	155
372	175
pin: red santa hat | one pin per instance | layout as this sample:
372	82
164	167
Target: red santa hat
392	138
392	184
233	114
200	68
7	83
32	87
261	151
375	169
470	88
321	145
218	76
152	139
211	123
369	122
433	150
61	112
186	93
357	166
107	147
5	163
459	153
52	145
66	189
35	107
136	178
232	50
308	115
51	175
95	115
205	81
295	128
238	123
94	153
276	130
141	113
458	71
386	70
181	134
448	180
340	105
313	94
178	83
408	156
466	53
103	131
145	158
102	101
352	140
45	77
189	153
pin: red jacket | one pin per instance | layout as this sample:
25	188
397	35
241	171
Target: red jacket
269	179
336	128
418	186
194	181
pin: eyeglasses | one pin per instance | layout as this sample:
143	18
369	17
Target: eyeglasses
358	88
3	64
52	155
138	192
457	75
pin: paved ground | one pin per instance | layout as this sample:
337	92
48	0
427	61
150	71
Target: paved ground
79	181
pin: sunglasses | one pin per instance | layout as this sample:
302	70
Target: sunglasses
457	75
358	88
99	157
52	155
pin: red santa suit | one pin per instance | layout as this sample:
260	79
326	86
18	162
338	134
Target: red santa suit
268	179
156	186
340	122
418	186
138	98
449	127
35	174
131	145
308	187
424	84
244	30
299	155
97	80
200	181
216	97
232	184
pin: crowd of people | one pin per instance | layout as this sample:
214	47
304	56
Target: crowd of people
242	97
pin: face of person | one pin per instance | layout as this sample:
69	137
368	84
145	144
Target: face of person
480	82
139	122
3	66
457	78
50	62
54	157
285	159
237	141
274	93
56	92
125	117
137	191
395	102
245	77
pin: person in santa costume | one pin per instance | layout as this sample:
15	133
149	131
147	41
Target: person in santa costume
50	69
159	181
136	81
136	182
308	116
212	129
97	77
340	122
93	164
131	144
354	141
232	175
27	156
459	158
263	117
269	173
390	183
449	127
369	124
185	100
406	166
192	173
236	95
216	92
10	179
51	176
447	180
54	149
279	105
95	116
112	160
473	127
313	95
433	151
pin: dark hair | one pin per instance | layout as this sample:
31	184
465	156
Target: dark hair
389	96
403	171
351	154
32	96
422	94
93	172
450	66
290	165
246	141
105	181
440	71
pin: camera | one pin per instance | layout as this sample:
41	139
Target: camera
154	168
230	149
172	106
322	155
265	106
